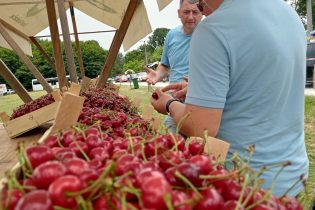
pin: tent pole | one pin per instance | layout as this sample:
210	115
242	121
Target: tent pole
43	52
116	43
25	59
53	26
76	37
67	40
14	82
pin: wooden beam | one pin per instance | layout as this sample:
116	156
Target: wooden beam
8	76
79	33
25	59
77	42
8	3
116	43
53	26
43	52
11	28
67	40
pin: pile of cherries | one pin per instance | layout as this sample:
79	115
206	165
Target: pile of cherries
88	169
32	106
112	160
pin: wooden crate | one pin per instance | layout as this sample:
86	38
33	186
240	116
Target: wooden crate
31	120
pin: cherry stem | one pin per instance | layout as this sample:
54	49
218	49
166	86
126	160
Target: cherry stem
265	197
175	147
130	145
239	202
168	201
186	181
60	208
95	185
82	203
14	182
81	150
299	180
182	121
23	160
143	153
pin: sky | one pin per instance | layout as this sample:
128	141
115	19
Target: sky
167	18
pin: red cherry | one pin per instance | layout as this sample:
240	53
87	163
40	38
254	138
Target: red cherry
35	200
48	172
14	195
153	191
211	200
155	96
59	188
38	155
203	162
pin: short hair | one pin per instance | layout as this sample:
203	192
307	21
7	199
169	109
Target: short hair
181	3
190	2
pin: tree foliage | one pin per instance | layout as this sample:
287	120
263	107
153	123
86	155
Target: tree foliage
300	7
93	56
157	39
135	59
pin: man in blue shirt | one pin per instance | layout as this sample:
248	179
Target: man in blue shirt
246	86
174	61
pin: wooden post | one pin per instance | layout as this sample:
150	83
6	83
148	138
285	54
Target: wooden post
42	51
14	82
67	40
116	43
76	37
25	59
52	19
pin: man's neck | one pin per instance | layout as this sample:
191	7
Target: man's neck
187	31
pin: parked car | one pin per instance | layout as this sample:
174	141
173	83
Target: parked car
142	76
310	62
121	78
10	91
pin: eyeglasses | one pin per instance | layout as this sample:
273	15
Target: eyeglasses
200	6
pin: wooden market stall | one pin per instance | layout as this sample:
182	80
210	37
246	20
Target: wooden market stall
8	149
18	32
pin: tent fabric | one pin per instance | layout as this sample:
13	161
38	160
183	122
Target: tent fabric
30	16
163	3
23	43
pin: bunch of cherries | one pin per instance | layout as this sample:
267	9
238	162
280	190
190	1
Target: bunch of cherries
32	106
112	160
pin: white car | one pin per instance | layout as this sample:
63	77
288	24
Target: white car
10	91
142	76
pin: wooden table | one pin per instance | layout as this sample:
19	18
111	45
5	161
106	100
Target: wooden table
8	146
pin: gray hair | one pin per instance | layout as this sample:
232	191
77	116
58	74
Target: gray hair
190	2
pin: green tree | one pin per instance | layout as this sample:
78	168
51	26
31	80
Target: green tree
25	77
118	67
93	57
157	39
11	60
134	60
156	54
46	69
300	7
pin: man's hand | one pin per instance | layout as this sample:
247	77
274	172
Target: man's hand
178	90
159	101
152	76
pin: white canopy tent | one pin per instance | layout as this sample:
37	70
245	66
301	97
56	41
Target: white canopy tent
21	20
30	18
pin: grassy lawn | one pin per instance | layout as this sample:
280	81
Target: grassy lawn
9	102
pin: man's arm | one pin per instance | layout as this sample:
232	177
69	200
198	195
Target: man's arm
157	75
195	120
192	120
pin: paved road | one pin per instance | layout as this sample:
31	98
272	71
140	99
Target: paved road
308	91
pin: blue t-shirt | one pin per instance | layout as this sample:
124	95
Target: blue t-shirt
248	58
175	53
